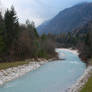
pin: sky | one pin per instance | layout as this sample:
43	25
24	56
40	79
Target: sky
38	10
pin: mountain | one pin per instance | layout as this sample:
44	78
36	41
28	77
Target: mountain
68	19
83	29
42	26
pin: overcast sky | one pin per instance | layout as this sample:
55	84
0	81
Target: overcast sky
38	10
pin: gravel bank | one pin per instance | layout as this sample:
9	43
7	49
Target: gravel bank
16	72
81	81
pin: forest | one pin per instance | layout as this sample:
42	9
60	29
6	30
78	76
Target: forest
21	41
80	38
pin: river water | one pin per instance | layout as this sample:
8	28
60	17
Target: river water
55	76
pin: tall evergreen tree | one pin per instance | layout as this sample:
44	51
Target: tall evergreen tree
11	25
2	43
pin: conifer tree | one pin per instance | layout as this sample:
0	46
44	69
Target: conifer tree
11	26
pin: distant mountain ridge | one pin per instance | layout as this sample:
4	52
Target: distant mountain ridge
68	19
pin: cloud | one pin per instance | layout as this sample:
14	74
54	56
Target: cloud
27	9
38	10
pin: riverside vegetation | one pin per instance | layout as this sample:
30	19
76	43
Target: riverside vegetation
80	38
21	41
88	86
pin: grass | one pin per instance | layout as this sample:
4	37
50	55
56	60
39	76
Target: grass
11	64
90	62
88	86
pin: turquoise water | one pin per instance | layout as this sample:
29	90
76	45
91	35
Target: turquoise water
54	76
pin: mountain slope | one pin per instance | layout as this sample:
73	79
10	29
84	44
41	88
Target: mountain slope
42	26
84	29
68	19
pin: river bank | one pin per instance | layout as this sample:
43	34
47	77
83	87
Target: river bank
74	51
81	81
13	73
16	72
54	70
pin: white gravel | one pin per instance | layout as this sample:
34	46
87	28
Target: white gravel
16	72
69	50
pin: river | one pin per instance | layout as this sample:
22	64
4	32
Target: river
56	76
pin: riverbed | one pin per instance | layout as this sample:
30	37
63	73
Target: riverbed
56	76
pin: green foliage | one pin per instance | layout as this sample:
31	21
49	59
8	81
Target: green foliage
81	38
11	26
5	65
43	37
2	45
35	33
19	42
42	53
2	29
88	86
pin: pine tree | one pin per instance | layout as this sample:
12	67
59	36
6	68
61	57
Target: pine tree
11	26
2	43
